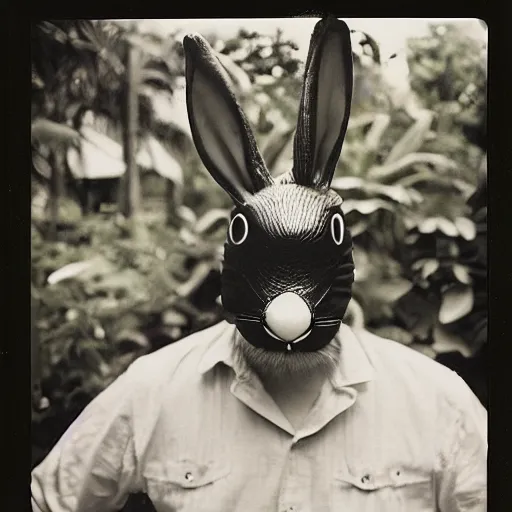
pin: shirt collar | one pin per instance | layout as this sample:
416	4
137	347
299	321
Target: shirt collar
354	365
220	351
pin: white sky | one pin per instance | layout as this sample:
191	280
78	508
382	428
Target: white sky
390	33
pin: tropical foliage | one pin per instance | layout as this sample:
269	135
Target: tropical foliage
413	184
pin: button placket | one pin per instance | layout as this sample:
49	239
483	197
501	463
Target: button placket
298	473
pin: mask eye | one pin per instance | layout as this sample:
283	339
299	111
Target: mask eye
238	229
337	228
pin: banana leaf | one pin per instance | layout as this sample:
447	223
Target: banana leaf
413	138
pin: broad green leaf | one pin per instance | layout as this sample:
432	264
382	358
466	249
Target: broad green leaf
126	279
212	220
358	228
429	268
347	183
418	264
428	225
399	169
442	224
188	237
187	214
390	290
447	227
413	139
69	271
395	192
173	317
277	142
365	206
361	121
457	302
411	221
466	188
416	177
199	274
426	350
446	341
461	273
466	227
392	332
41	165
49	132
374	135
135	337
264	80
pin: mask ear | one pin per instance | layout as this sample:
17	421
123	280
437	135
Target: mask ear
220	130
325	104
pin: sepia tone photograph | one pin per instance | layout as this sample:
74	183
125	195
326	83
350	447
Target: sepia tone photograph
259	265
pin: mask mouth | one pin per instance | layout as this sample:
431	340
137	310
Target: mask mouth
289	319
296	340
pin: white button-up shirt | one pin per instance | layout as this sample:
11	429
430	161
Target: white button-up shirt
392	431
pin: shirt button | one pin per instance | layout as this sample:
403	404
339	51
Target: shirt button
365	479
189	477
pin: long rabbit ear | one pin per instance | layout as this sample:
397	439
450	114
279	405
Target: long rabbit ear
220	130
325	104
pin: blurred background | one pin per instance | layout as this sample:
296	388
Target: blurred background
128	227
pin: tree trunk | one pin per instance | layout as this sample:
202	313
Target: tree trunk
131	179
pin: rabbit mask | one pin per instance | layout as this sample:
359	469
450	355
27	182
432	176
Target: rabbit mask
288	268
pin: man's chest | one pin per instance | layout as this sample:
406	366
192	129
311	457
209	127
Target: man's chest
225	455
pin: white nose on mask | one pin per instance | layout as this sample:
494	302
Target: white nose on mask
288	317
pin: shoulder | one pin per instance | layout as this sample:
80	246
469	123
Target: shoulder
416	373
389	355
182	356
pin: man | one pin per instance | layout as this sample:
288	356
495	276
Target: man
282	408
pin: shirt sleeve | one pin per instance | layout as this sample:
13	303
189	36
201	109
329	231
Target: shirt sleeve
93	465
462	478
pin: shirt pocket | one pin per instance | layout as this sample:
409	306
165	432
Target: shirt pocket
186	485
399	489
